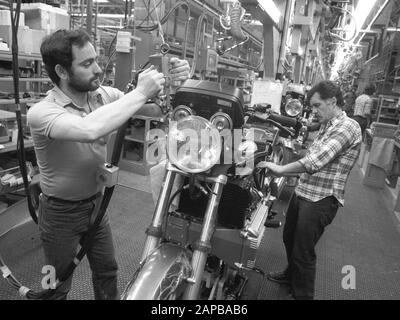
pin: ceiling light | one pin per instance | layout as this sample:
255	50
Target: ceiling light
362	11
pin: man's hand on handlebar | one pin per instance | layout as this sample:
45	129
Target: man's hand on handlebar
180	69
274	168
150	82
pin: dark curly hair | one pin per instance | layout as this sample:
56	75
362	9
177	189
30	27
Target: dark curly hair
326	89
57	49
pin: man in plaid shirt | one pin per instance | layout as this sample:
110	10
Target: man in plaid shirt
324	171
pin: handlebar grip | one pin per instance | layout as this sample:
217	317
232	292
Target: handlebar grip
272	224
286	121
283	128
265	117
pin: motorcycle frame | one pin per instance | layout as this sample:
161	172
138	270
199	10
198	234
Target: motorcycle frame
202	246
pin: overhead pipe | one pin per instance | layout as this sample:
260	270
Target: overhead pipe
383	6
285	32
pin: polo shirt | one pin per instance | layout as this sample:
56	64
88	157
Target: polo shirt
68	169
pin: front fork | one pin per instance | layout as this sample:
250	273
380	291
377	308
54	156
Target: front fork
203	245
154	231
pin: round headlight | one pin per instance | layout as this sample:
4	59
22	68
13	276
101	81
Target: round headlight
181	112
294	107
194	144
221	121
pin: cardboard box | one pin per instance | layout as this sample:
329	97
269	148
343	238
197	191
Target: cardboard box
40	16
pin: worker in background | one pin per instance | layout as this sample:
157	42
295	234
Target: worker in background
70	128
320	191
349	100
363	106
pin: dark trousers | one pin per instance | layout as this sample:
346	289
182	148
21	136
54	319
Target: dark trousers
305	223
363	122
64	226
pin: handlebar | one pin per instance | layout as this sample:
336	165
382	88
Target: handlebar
276	121
286	121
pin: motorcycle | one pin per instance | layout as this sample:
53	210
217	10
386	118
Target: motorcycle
203	239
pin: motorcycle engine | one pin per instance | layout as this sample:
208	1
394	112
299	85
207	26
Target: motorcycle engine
238	200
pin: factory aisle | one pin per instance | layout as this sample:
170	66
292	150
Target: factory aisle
364	238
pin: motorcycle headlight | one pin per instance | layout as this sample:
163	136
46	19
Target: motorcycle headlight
294	107
221	121
194	144
181	112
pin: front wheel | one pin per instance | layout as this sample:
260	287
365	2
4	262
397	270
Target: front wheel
162	276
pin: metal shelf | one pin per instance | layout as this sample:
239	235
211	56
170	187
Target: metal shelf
26	79
12	101
12	146
6	55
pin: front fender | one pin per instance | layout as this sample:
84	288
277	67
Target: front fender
161	276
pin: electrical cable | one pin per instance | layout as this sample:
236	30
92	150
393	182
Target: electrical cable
196	44
337	18
20	138
235	15
163	19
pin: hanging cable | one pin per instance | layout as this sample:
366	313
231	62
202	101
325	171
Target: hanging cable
164	19
338	18
20	139
164	48
197	43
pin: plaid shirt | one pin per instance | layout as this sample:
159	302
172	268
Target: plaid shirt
329	160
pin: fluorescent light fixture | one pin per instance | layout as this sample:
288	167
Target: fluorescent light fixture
271	9
362	11
255	23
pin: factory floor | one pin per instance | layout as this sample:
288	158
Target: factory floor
364	238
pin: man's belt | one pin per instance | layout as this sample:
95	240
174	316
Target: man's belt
83	201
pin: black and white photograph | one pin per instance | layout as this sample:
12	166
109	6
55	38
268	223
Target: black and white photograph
212	155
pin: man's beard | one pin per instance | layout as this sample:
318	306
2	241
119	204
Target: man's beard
83	86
